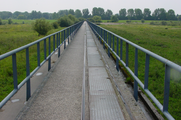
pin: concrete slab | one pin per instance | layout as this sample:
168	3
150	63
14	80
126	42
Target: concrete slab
91	44
94	60
92	50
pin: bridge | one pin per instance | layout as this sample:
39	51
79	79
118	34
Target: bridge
82	81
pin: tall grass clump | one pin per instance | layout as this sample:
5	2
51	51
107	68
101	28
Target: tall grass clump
1	22
41	26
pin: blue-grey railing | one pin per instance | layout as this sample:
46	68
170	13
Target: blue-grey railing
66	34
107	36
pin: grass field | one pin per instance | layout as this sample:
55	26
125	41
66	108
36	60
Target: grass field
14	36
164	41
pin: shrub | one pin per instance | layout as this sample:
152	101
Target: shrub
128	21
65	21
142	20
97	19
41	26
55	25
91	19
10	21
114	18
164	23
152	23
1	22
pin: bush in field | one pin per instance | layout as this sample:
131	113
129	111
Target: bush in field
114	18
1	22
97	19
128	21
10	21
91	19
66	21
41	26
164	23
55	25
142	20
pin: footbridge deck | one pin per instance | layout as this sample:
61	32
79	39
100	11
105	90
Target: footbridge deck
83	83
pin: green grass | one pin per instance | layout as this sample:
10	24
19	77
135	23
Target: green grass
12	37
164	41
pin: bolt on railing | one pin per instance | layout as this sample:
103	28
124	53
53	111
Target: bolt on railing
109	37
71	31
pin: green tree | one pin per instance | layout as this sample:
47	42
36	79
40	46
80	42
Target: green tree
71	11
179	17
54	15
147	14
78	13
159	14
114	18
10	21
41	26
138	14
85	13
171	15
46	15
109	13
16	14
62	13
1	22
95	11
130	14
122	14
97	19
21	17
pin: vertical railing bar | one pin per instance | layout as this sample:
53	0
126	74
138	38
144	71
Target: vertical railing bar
59	43
45	54
121	49
127	54
113	42
146	71
64	39
28	85
136	74
53	42
38	53
49	60
166	88
109	44
117	60
104	40
15	79
68	35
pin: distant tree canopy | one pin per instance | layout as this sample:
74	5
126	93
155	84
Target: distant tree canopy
123	14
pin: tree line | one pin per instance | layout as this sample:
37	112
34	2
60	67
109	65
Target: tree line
130	14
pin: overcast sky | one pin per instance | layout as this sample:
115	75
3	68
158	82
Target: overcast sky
114	5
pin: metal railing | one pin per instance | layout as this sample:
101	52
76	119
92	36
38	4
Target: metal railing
107	36
66	34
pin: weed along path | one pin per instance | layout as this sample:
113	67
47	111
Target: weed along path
80	85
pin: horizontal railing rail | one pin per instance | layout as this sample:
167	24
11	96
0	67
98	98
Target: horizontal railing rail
108	36
66	34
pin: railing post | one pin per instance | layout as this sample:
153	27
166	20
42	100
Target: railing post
38	54
117	60
113	43
15	80
121	49
146	71
45	53
53	42
166	88
68	34
64	39
58	38
127	54
109	44
104	39
136	74
28	85
49	60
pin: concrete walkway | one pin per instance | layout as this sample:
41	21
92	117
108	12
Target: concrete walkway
60	96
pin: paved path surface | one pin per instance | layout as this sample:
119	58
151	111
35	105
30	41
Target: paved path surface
60	95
